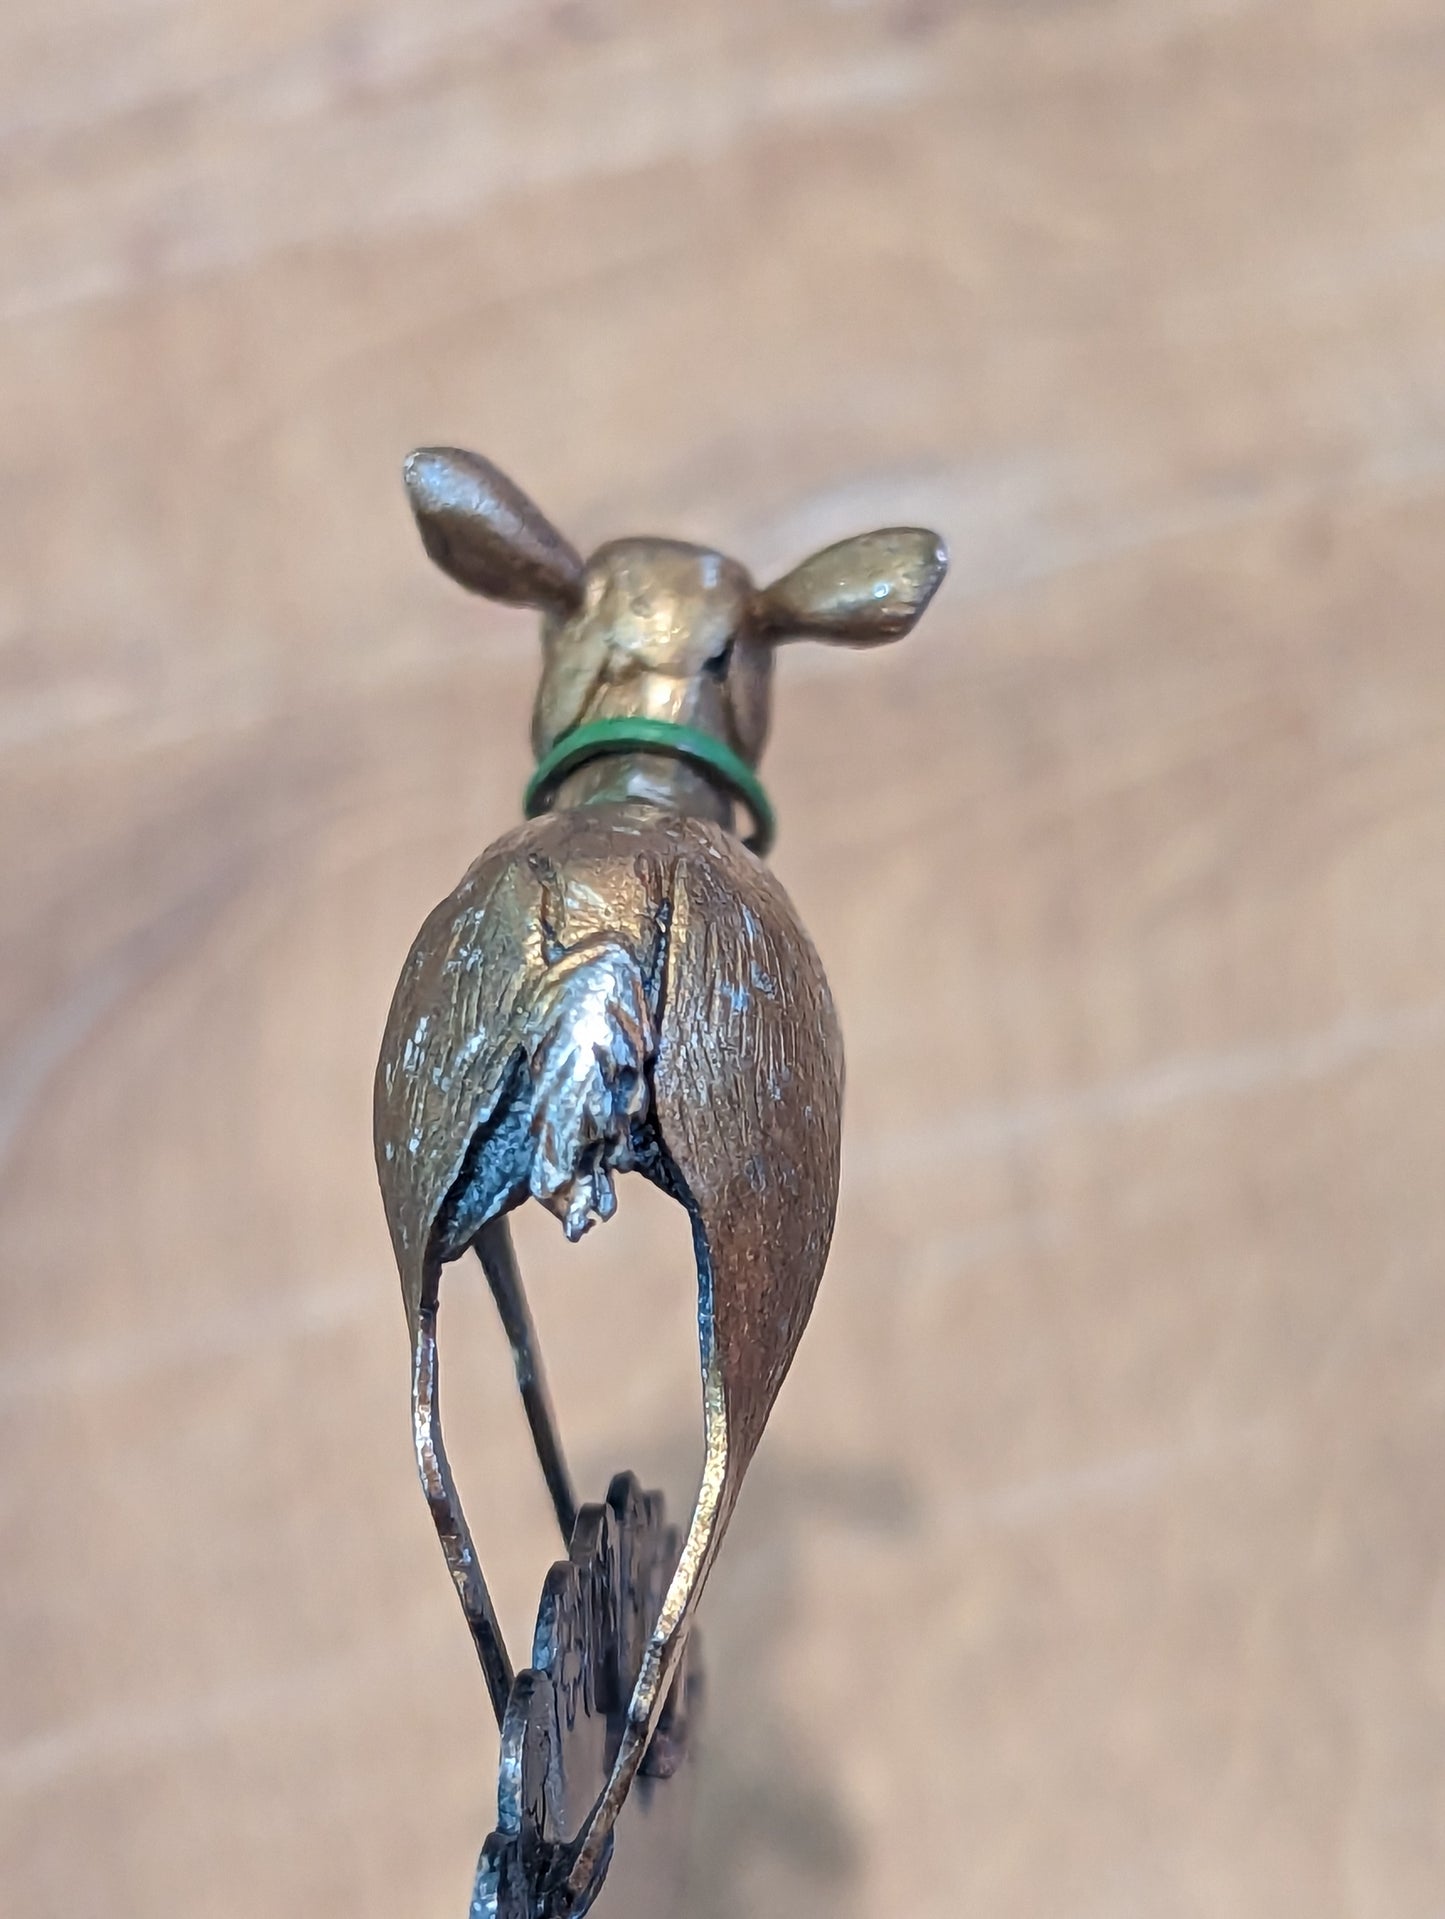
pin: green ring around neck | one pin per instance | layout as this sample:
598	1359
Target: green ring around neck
600	738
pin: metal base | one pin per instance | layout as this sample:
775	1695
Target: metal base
564	1722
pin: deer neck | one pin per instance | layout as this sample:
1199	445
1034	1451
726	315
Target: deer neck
656	779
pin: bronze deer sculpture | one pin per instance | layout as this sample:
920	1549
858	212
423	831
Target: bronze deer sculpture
621	984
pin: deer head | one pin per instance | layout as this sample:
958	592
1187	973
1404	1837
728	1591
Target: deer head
654	628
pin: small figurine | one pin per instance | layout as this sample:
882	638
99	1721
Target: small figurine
620	984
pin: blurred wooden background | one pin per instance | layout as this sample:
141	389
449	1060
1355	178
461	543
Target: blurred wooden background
1093	1569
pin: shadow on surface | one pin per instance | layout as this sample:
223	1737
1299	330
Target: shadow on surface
773	1834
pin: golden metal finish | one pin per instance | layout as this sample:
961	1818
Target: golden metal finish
620	985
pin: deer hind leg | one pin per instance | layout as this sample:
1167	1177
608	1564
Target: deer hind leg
665	1647
448	1517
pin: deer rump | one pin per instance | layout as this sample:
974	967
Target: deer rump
611	989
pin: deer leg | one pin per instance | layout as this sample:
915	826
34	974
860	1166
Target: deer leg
499	1263
665	1647
448	1517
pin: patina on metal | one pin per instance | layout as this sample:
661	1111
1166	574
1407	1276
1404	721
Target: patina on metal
620	985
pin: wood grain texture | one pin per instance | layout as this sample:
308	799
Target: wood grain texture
1107	1485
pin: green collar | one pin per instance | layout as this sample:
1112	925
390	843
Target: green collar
602	737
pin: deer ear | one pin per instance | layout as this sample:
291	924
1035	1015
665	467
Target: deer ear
487	534
860	592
